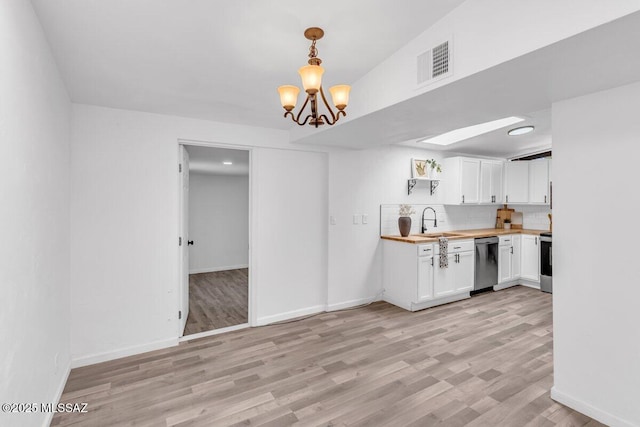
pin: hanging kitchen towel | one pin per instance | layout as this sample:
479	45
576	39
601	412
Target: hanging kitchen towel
444	249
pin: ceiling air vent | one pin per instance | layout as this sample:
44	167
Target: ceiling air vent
435	63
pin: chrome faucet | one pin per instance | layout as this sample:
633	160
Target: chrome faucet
435	218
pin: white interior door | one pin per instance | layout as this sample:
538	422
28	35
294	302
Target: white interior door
184	238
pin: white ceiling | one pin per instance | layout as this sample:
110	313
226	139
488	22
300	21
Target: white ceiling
217	60
595	60
209	160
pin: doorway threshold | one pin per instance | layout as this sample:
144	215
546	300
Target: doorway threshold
213	332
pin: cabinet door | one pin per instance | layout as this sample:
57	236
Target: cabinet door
425	278
516	244
530	258
464	271
496	182
443	278
504	264
486	185
470	180
490	182
539	181
516	182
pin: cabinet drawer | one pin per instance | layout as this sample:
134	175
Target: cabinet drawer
456	246
425	250
505	240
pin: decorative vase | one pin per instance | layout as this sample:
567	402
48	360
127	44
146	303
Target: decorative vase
404	224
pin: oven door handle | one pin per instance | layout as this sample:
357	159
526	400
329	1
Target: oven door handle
550	255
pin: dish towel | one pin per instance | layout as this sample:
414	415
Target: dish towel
444	249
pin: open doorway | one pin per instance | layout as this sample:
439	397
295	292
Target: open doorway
214	224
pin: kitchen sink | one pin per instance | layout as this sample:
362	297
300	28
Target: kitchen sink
436	235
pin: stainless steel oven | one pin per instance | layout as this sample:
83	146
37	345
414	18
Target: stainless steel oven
546	263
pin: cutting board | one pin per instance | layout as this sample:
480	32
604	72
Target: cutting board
502	214
516	220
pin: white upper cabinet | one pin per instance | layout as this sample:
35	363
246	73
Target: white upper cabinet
539	181
491	181
516	176
461	178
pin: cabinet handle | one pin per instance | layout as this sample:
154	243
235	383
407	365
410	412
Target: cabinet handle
536	241
463	198
545	199
457	247
431	261
507	199
458	258
511	249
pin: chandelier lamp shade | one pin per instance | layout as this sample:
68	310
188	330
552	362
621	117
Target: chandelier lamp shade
311	76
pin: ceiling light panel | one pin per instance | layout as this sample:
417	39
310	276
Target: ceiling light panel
461	134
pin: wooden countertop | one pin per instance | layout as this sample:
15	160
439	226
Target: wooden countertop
461	235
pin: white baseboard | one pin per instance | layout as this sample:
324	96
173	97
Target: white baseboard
124	352
439	301
530	284
589	410
351	303
505	286
265	320
397	303
521	282
213	332
56	398
214	269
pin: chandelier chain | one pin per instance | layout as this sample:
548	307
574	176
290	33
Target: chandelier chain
313	51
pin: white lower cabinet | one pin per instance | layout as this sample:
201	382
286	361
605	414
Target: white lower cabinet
425	278
413	279
459	275
509	258
530	258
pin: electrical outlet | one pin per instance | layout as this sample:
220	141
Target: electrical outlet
365	219
356	219
332	220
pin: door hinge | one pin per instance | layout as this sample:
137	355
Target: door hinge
180	167
179	314
179	241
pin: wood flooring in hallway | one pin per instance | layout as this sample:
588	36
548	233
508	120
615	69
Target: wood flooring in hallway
217	300
485	361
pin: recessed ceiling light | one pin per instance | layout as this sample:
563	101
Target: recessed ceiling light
521	130
227	163
471	131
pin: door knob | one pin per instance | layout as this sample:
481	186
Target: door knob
190	242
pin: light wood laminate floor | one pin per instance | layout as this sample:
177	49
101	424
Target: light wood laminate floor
485	361
217	300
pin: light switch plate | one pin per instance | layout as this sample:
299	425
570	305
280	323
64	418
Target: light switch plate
356	219
365	219
332	220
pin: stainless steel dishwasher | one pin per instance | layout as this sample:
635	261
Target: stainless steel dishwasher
486	275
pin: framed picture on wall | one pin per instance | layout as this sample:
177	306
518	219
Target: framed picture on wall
419	168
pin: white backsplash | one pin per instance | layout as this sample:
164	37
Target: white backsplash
467	217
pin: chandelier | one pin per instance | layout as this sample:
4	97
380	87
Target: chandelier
311	76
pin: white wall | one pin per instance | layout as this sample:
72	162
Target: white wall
218	222
596	292
34	216
290	191
359	181
125	226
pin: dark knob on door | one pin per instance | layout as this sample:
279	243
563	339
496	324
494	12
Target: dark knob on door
190	242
